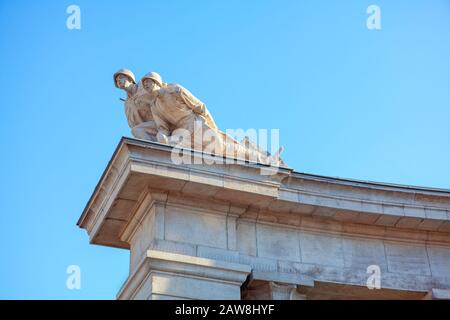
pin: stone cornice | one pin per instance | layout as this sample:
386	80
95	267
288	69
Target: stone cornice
285	197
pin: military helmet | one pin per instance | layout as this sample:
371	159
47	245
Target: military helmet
125	72
154	76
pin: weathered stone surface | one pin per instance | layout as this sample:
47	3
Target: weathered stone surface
439	258
321	250
258	263
185	225
407	259
173	247
361	253
277	243
217	254
246	238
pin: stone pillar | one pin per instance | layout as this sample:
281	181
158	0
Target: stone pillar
281	291
277	286
163	268
163	275
270	290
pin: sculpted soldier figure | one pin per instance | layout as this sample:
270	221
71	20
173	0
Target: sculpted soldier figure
137	106
168	113
175	108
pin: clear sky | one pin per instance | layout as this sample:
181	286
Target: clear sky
349	102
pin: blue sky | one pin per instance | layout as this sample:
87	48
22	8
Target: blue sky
349	102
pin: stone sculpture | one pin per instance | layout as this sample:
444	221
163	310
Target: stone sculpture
137	106
167	113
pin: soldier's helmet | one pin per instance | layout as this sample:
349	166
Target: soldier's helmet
125	72
154	76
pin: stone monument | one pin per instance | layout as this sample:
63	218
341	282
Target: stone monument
225	231
170	114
